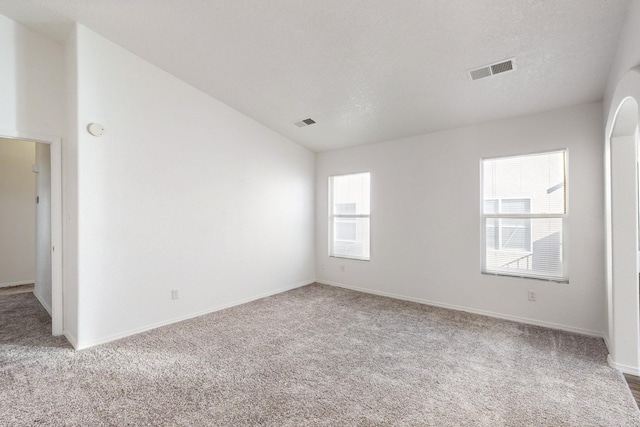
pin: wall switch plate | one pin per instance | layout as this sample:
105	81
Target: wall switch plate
342	268
175	294
532	295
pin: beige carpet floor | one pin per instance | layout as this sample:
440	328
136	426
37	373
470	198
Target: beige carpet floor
317	356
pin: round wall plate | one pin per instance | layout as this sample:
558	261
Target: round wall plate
95	129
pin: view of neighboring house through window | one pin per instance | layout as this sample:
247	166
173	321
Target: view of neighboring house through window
524	209
349	216
506	234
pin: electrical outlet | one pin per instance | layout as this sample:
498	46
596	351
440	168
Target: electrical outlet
342	268
532	296
175	294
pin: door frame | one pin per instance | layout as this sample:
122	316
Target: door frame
57	304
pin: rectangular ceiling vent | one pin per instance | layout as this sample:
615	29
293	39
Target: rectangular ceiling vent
304	122
493	69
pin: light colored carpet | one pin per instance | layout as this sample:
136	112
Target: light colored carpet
318	356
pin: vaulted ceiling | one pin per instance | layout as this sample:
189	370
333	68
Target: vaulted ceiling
364	70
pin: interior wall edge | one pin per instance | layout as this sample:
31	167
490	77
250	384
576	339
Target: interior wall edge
42	301
625	369
72	339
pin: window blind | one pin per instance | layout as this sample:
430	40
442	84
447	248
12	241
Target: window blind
524	212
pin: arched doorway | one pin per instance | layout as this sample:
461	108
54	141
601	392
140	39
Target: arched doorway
621	174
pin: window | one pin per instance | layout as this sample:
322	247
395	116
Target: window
524	213
504	233
349	216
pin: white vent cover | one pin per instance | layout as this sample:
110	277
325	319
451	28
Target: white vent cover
493	69
304	122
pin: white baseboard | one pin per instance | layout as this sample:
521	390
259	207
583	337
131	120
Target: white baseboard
104	340
42	301
72	339
632	370
518	319
22	282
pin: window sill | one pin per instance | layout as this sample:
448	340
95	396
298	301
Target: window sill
524	276
348	257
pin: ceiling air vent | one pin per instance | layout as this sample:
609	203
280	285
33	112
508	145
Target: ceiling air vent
493	69
304	122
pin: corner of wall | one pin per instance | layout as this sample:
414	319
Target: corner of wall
70	192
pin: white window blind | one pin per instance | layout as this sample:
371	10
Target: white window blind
524	212
349	216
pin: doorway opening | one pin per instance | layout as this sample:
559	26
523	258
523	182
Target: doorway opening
48	274
622	238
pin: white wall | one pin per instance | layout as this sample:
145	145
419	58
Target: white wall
623	83
70	185
181	192
17	212
42	288
628	54
70	189
32	106
425	225
32	81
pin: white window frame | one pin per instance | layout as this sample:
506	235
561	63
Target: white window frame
333	216
564	217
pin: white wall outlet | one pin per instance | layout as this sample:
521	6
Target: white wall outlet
175	294
532	295
342	268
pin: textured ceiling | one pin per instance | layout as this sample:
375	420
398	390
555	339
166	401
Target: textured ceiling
365	70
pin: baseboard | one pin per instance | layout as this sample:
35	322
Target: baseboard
72	339
22	282
631	370
42	301
518	319
104	340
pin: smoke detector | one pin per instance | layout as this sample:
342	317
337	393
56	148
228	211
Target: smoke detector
304	122
493	69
